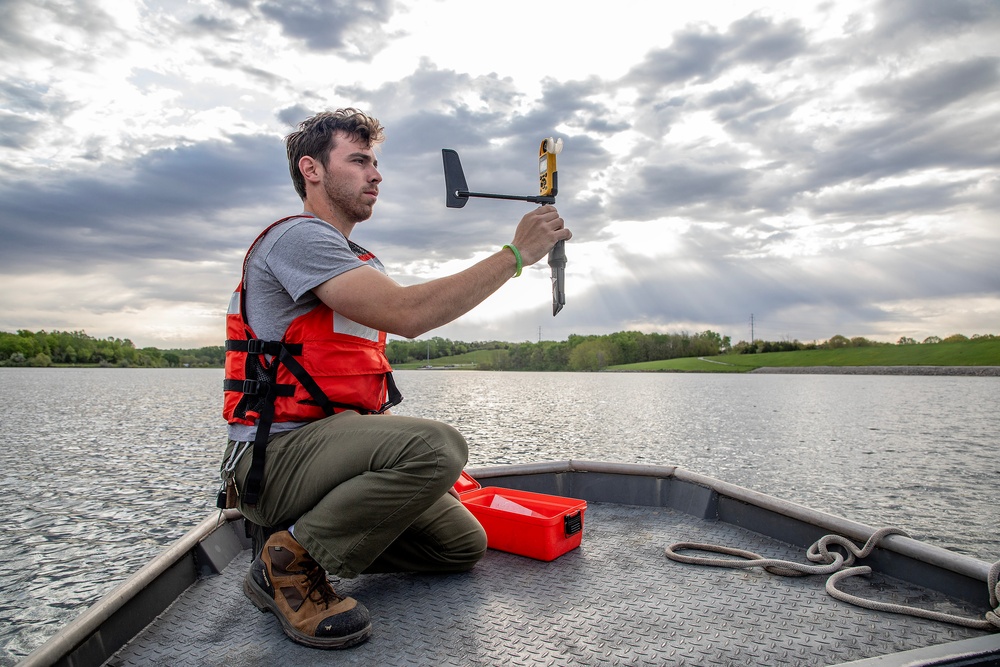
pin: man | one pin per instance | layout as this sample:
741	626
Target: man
308	385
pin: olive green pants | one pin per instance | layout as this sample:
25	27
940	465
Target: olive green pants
369	494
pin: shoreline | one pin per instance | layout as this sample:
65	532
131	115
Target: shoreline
952	371
955	371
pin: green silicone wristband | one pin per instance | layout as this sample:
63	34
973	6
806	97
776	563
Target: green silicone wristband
517	256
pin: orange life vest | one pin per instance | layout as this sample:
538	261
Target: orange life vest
314	370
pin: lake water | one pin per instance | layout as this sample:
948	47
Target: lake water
104	467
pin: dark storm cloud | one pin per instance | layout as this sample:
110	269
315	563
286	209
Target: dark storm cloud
576	104
664	189
916	20
736	100
702	53
990	197
939	86
293	115
21	95
353	28
746	112
17	131
26	108
237	63
212	25
893	201
166	205
433	104
895	147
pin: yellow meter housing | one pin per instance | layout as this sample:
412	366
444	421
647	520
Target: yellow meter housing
548	176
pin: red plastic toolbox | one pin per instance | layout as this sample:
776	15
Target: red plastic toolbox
529	524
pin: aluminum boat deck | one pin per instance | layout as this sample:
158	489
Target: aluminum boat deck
617	600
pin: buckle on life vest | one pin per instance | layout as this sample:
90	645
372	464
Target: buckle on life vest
255	346
251	387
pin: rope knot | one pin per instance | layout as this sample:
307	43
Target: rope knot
993	580
838	562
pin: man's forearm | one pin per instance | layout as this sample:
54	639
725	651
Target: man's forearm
375	300
435	303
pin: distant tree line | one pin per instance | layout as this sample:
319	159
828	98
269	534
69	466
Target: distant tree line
577	353
46	348
838	342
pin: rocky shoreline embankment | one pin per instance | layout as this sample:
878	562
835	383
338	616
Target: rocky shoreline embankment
972	371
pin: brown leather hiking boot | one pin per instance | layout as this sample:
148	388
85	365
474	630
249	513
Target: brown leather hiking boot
286	581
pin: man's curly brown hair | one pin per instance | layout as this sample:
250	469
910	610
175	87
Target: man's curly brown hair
316	137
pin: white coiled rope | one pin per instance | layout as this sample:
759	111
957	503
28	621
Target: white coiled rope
838	566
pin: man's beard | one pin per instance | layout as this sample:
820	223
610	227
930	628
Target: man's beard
349	202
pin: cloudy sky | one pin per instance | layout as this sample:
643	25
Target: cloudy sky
822	167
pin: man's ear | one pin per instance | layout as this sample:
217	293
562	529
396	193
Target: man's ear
311	169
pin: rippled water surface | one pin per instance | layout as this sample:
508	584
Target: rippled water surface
104	467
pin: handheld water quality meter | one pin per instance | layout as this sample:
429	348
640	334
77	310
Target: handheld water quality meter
457	195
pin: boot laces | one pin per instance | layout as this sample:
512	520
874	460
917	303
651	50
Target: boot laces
319	590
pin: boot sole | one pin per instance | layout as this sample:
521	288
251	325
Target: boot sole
265	603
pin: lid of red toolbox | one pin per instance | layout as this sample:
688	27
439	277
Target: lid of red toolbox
465	484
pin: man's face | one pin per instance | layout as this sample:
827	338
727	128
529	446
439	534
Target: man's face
351	179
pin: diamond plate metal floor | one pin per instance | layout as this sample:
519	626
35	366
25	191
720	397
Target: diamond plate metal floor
617	600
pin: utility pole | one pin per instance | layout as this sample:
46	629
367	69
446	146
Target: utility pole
539	334
751	329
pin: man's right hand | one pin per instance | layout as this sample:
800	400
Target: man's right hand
537	232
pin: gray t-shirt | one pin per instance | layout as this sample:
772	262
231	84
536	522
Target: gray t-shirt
291	260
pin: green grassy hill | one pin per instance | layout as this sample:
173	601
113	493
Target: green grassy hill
964	353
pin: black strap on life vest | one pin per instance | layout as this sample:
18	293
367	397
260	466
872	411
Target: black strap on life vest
284	353
392	394
255	477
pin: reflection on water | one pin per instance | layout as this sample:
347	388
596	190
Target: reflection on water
103	467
